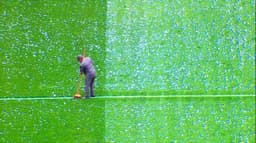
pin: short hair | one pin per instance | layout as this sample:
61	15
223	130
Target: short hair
79	57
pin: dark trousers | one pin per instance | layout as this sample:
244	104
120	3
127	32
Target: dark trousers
89	88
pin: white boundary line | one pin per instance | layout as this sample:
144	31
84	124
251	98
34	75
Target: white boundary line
175	96
123	97
35	98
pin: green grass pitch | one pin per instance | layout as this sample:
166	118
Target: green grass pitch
98	120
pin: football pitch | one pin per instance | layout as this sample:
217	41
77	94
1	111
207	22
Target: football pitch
167	71
129	119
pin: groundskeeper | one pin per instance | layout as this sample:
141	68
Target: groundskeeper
87	68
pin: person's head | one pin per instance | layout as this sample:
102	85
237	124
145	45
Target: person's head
80	58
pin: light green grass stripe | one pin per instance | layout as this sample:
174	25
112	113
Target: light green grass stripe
121	97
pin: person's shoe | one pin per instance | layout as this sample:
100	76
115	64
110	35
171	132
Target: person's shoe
92	96
87	97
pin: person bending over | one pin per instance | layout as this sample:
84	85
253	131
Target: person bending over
87	68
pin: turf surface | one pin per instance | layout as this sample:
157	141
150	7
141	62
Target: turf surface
151	47
138	47
98	120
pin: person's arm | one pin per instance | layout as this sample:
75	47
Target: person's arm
81	70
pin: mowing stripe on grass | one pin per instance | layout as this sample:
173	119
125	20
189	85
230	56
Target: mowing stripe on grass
122	97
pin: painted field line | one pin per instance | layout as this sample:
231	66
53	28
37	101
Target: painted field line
35	98
175	96
123	97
